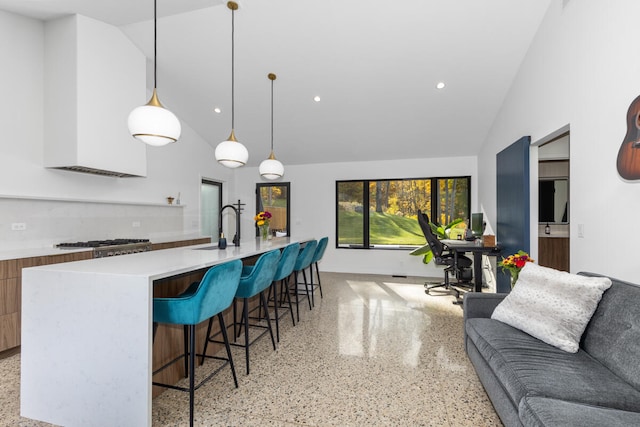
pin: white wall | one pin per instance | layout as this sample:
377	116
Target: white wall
171	169
180	167
313	211
581	70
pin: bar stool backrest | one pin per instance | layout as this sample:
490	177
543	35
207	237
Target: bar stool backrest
213	294
306	255
260	276
322	245
287	261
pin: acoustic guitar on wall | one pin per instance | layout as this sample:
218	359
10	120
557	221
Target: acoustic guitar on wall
629	153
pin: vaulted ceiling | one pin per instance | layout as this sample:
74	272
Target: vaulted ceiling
374	64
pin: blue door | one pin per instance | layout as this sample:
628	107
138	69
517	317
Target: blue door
513	217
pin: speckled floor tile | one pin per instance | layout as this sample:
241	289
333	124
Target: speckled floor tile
374	351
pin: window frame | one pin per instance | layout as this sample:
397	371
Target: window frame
366	245
287	185
219	185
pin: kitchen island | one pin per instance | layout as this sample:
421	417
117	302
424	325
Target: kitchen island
87	332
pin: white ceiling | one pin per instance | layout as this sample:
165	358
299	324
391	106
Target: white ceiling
374	64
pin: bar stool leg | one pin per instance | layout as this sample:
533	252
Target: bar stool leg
274	286
206	341
306	288
235	320
264	303
313	299
295	288
185	344
319	283
245	316
223	329
192	374
225	337
284	287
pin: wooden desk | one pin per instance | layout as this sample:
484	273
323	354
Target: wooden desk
463	246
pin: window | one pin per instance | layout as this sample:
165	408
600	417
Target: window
275	199
383	213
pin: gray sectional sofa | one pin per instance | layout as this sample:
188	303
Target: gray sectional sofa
531	383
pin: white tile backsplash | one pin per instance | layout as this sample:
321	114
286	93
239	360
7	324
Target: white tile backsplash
49	222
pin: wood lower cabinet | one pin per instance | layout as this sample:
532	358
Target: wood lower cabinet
11	290
554	252
9	313
177	244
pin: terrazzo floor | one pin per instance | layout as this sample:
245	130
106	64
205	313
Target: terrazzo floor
375	351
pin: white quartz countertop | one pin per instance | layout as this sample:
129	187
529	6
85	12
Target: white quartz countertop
170	262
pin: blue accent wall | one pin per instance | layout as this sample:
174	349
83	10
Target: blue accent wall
513	212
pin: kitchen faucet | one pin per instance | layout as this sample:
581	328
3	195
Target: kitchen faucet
237	208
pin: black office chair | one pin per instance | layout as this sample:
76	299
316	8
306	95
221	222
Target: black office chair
459	265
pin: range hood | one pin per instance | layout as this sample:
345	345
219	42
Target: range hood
94	77
93	171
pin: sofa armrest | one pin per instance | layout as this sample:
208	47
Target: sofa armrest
477	304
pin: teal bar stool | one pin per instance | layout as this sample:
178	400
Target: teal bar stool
254	280
303	261
317	256
202	300
285	268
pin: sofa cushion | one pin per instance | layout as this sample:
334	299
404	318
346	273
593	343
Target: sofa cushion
552	305
526	366
545	412
616	325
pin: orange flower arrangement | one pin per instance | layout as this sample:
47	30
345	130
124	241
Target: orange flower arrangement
262	221
262	218
514	263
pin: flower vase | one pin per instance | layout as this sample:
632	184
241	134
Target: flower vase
514	278
264	232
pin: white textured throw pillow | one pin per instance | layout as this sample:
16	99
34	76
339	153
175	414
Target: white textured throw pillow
551	305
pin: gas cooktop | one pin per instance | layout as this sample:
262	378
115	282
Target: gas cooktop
111	247
101	243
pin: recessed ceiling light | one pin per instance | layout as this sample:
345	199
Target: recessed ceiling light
316	98
440	85
217	110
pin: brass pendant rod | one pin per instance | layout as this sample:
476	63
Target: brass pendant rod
232	69
271	114
155	44
271	77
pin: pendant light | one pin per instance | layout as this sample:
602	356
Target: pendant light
231	153
152	123
271	168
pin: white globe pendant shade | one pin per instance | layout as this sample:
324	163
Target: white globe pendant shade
231	153
153	124
271	168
